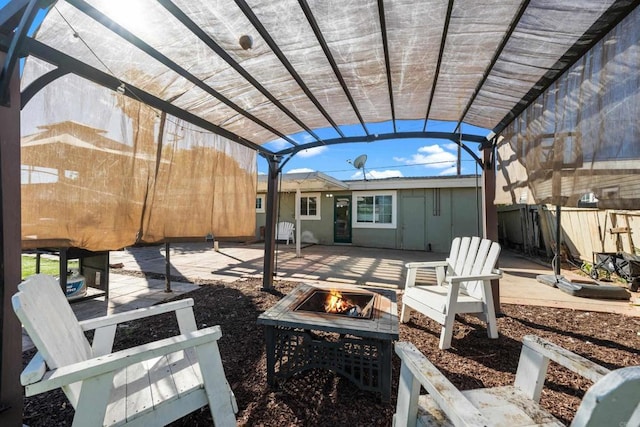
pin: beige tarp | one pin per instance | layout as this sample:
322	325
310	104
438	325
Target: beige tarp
102	171
582	135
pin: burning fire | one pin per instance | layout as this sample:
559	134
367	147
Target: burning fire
335	303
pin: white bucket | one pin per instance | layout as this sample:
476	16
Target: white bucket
76	286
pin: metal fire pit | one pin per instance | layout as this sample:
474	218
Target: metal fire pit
300	336
315	303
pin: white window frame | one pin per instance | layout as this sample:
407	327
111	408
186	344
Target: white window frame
394	209
262	199
315	217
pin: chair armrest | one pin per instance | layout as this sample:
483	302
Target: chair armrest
452	402
34	371
141	313
101	365
497	274
534	361
566	358
427	264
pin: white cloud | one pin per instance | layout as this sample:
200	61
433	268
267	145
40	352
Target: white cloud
374	174
278	144
261	173
306	138
312	151
431	156
431	149
400	159
451	146
300	170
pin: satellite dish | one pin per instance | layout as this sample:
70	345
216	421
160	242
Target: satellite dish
359	162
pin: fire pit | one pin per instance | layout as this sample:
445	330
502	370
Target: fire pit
351	304
349	331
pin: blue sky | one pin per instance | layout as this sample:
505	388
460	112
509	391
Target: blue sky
385	159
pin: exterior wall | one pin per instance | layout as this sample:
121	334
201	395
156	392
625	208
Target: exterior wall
422	222
426	223
321	230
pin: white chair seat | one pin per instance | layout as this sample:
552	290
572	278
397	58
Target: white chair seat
437	300
144	387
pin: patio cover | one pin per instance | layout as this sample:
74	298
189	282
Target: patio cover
580	139
175	79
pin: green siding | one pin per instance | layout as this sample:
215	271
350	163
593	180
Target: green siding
422	223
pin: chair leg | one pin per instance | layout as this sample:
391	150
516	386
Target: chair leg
447	332
492	324
490	313
405	315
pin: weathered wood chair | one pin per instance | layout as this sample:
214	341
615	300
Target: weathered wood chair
463	285
151	384
613	399
284	231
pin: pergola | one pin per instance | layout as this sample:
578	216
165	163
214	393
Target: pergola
252	72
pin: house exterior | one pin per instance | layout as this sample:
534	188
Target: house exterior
423	213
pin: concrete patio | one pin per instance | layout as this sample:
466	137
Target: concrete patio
197	262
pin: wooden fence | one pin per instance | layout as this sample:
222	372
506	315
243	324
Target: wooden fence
532	229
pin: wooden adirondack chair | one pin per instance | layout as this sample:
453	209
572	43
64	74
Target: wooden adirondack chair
463	285
284	231
613	399
151	384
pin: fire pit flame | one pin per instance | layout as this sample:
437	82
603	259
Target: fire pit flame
337	304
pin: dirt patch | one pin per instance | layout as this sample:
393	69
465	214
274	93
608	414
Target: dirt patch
322	398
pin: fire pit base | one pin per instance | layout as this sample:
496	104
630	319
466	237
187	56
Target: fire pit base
362	361
355	348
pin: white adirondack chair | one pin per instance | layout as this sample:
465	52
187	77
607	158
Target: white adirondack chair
614	399
151	384
284	231
463	285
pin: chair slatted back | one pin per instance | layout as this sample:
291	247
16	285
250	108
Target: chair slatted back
484	263
284	230
612	400
47	317
469	261
462	255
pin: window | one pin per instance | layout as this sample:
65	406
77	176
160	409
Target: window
38	175
310	206
260	204
436	202
375	210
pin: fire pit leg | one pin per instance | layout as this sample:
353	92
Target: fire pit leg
386	350
269	335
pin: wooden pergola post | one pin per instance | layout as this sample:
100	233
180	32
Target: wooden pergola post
11	405
490	211
270	222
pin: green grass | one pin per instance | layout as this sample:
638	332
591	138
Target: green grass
47	265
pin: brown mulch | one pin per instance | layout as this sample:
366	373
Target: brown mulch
321	398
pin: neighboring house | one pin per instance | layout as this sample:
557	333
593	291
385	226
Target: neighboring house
423	213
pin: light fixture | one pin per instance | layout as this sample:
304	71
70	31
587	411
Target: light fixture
246	42
120	89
